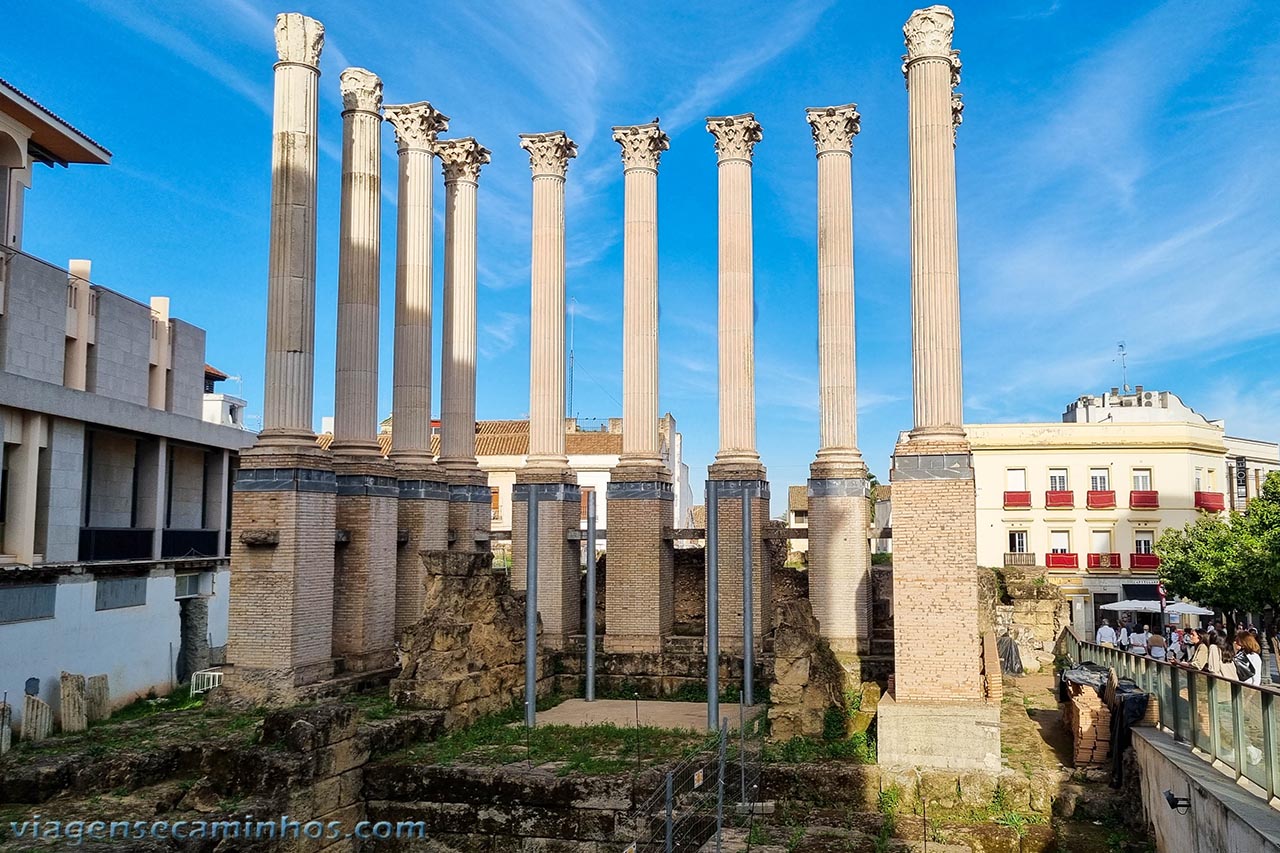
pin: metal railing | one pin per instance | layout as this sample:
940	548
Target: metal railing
714	789
1233	726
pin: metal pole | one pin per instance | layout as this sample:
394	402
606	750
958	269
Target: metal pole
531	610
742	752
748	629
670	827
724	748
713	604
591	596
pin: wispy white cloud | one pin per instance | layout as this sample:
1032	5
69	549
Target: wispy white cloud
499	333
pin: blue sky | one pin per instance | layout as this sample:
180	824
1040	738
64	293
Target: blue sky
1118	180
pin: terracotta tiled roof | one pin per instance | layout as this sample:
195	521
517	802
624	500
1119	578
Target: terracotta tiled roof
211	372
593	443
698	516
884	492
798	498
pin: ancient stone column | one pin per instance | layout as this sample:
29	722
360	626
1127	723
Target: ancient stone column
291	277
640	595
737	469
73	710
364	594
546	470
935	573
37	719
282	554
424	490
469	504
839	506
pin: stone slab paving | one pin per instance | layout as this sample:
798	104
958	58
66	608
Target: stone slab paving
622	712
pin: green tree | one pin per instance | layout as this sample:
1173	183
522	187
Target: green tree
1227	563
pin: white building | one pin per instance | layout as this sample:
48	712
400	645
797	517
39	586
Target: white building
113	489
1088	498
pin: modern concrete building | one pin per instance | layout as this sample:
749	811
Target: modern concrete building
113	487
1088	498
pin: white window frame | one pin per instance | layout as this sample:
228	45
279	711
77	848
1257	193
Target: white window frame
1065	483
1144	538
1093	539
1053	548
1142	472
1100	479
1023	544
1015	479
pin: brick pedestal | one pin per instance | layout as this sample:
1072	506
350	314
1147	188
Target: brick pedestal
470	511
732	481
364	605
840	559
280	632
559	556
935	593
640	590
423	525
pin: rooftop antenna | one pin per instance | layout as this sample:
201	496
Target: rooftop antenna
1124	365
573	317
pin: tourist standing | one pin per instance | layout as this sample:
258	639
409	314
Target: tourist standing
1248	658
1122	636
1106	635
1197	650
1156	646
1138	641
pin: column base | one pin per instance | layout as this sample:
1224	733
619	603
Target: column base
364	606
729	531
423	525
938	735
273	688
640	595
559	556
280	631
840	559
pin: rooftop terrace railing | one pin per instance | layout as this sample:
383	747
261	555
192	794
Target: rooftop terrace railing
1233	726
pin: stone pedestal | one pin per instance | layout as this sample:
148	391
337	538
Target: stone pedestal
639	585
938	734
72	711
732	481
6	728
97	698
840	559
423	525
280	633
470	510
559	555
364	585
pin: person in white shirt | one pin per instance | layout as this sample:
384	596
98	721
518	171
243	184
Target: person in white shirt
1122	638
1248	659
1138	641
1106	635
1158	647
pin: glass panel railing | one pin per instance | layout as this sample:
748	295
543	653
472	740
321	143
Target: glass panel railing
1182	711
1164	690
1223	717
1253	764
1200	715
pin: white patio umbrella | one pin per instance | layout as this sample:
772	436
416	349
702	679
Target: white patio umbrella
1134	605
1186	608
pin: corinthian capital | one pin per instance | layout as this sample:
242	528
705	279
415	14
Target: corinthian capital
549	153
642	145
928	32
957	117
361	90
736	136
416	125
461	159
299	39
834	127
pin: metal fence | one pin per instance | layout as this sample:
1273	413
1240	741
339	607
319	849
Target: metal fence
714	789
1234	726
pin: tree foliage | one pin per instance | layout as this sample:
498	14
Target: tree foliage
1228	563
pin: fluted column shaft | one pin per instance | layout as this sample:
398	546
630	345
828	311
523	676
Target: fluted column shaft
833	132
549	155
291	278
935	262
640	318
416	126
735	140
355	414
461	160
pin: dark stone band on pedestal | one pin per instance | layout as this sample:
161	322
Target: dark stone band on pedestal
934	466
738	488
470	494
373	485
546	492
427	490
285	480
839	487
652	490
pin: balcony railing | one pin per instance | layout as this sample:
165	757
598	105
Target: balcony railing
115	543
1144	562
1104	561
189	543
1100	499
1059	499
1017	500
1231	725
1211	501
1020	558
1062	561
1144	499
